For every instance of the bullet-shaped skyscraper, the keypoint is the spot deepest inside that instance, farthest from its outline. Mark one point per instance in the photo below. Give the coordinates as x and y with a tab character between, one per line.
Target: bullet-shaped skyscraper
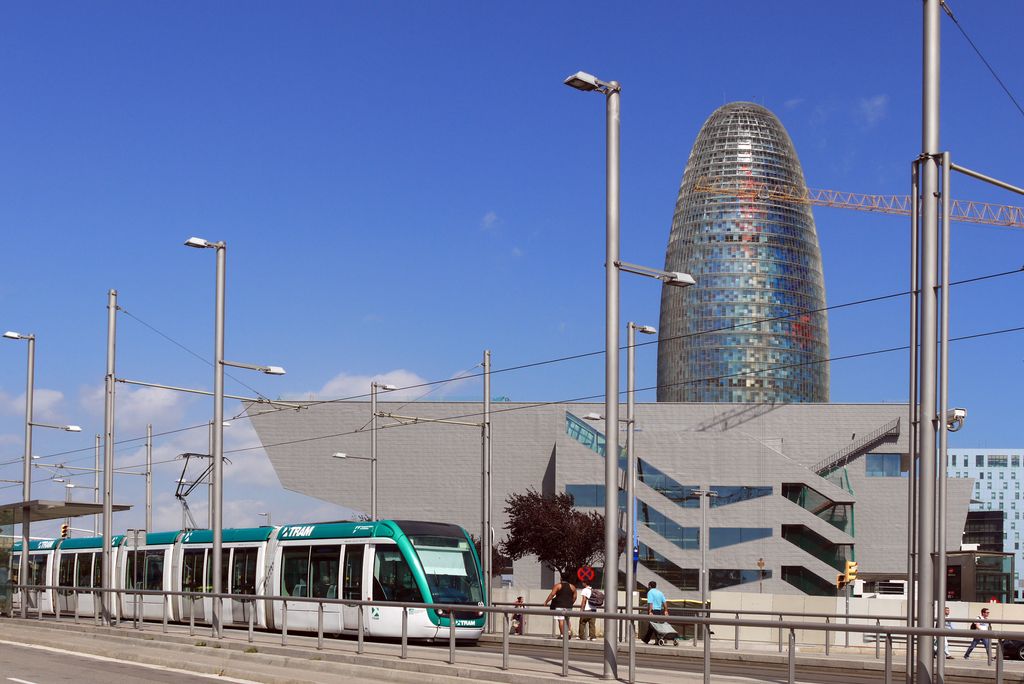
753	329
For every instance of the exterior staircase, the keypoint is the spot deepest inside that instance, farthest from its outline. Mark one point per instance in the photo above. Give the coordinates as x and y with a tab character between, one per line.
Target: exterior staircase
858	447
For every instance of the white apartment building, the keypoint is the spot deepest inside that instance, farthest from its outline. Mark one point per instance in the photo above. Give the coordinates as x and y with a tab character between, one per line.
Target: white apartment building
998	482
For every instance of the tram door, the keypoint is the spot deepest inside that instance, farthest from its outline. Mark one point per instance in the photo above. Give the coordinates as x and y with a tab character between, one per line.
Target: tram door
66	578
312	572
193	564
392	581
243	581
352	584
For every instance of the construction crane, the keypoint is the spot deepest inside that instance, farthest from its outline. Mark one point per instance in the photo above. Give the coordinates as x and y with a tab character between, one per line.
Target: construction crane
964	211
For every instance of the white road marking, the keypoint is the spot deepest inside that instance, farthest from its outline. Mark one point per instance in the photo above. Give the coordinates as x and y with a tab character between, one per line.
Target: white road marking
104	659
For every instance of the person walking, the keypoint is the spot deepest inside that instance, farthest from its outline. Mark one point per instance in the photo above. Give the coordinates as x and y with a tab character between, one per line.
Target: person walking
517	618
947	624
981	624
586	629
562	596
655	606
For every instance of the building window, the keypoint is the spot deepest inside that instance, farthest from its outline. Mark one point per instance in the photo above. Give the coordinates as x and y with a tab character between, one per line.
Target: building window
979	461
883	465
997	461
1015	461
727	536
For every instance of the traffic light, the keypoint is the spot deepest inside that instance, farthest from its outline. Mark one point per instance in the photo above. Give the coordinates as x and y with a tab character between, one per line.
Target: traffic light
840	580
64	531
851	571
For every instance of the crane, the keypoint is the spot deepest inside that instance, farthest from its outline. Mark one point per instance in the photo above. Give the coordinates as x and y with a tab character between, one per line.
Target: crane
965	211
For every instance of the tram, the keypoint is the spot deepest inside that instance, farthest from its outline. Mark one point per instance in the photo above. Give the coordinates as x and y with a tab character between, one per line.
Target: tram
389	560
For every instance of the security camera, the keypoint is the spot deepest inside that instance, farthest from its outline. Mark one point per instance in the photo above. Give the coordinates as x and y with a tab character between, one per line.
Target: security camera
955	418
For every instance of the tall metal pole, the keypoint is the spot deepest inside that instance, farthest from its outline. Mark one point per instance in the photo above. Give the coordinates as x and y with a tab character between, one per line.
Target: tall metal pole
209	482
630	467
149	478
912	405
486	543
940	555
108	457
611	393
218	437
96	487
929	283
373	450
26	488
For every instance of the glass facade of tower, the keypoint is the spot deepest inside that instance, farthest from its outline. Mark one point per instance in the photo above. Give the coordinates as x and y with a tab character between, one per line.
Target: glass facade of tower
752	329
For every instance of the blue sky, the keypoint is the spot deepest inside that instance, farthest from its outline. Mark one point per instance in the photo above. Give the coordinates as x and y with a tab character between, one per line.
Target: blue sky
402	185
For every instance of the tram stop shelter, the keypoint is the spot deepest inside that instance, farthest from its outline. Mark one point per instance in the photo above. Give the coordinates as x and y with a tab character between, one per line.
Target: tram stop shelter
39	510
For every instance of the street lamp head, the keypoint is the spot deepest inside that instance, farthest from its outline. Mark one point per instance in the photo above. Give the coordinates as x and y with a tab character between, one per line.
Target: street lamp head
69	485
198	243
581	80
339	454
273	370
647	329
72	428
593	416
678	279
384	386
11	335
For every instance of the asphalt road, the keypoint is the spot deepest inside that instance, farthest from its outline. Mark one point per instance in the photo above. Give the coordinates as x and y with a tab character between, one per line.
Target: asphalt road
26	665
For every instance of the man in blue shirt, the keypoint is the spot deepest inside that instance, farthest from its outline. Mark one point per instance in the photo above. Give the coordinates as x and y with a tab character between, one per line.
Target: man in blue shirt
655	606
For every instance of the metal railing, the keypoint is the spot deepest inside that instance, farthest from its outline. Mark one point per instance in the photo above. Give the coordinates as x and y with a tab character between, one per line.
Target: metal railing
786	628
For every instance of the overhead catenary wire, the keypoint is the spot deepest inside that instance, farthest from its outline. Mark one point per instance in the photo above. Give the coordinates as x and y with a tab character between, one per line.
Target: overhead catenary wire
949	12
561	359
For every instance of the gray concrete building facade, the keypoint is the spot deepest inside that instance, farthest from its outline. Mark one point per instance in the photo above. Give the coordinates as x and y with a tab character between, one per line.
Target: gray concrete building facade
803	487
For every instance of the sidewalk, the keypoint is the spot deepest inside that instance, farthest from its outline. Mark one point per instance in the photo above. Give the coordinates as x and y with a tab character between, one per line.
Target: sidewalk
266	661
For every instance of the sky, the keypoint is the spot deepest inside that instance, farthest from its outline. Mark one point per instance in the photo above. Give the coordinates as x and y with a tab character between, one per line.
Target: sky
404	185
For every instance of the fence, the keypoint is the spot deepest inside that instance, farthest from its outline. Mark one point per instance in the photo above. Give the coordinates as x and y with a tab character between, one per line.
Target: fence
625	624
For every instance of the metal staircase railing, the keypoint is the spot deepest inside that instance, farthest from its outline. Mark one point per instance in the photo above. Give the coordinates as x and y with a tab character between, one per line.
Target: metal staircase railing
855	449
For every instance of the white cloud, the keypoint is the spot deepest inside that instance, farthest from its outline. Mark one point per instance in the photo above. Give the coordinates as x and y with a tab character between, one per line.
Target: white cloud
345	385
793	103
873	109
135	407
45	404
489	223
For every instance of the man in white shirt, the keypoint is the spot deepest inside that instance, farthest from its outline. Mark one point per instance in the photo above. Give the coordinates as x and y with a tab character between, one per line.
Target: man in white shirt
586	628
981	624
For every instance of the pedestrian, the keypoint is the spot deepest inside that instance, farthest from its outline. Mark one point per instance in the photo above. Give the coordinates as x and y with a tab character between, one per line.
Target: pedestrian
947	624
586	629
562	596
655	606
517	618
981	624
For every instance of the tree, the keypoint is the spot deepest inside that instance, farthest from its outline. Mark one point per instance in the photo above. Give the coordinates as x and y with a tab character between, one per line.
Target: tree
550	527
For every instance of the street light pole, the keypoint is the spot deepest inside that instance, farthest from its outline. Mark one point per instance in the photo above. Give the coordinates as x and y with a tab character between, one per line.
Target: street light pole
705	495
631	526
26	487
218	437
485	485
96	487
108	456
149	478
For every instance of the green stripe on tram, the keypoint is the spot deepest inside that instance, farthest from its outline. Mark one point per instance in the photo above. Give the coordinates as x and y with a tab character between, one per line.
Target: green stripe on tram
345	530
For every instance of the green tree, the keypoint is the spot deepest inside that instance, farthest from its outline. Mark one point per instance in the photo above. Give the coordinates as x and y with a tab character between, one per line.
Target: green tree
551	528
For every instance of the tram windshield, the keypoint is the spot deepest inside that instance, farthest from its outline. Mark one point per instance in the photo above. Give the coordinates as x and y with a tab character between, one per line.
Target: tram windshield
451	569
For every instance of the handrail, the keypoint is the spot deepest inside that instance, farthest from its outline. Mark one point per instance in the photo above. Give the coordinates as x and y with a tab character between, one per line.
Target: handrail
842	456
782	625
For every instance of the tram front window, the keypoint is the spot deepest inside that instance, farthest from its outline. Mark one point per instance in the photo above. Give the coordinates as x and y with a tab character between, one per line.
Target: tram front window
451	569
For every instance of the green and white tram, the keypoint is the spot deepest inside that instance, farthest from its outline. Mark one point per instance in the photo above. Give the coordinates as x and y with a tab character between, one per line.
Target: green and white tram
408	561
411	561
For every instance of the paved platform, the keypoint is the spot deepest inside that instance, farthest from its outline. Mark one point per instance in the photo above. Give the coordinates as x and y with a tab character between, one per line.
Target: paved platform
532	659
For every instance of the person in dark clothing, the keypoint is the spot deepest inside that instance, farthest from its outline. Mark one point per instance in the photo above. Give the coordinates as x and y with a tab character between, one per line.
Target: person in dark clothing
563	595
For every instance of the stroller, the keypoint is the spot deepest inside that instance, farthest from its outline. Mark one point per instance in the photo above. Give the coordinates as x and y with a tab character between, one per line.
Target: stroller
661	632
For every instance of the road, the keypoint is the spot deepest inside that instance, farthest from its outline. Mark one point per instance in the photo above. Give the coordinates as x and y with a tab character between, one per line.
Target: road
21	664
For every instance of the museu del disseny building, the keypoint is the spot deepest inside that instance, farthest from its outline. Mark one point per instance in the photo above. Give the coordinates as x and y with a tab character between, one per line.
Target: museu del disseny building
803	485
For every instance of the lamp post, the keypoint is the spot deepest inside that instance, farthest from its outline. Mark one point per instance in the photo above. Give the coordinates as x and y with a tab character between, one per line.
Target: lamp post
374	386
611	90
704	495
26	486
267	515
631	528
218	417
373	479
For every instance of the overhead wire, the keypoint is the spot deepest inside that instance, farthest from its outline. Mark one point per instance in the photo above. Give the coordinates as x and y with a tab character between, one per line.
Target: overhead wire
949	12
561	359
